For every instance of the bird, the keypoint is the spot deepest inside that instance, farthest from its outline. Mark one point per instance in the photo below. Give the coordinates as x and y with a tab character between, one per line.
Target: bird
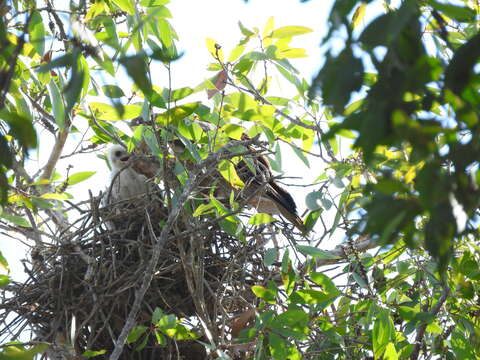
125	182
131	192
265	194
261	191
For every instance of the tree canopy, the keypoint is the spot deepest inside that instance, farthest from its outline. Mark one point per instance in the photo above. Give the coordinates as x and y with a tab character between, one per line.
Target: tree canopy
389	127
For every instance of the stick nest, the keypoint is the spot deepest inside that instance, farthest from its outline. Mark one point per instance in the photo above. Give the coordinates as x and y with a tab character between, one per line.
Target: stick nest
81	289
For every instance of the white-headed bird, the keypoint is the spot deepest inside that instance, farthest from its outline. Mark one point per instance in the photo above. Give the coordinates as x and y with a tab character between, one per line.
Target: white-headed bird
126	182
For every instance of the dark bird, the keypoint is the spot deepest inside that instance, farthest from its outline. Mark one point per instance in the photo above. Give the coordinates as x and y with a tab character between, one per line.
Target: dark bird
267	195
261	190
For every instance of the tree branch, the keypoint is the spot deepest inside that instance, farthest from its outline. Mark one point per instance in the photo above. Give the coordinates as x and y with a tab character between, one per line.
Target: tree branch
55	154
201	170
338	254
421	330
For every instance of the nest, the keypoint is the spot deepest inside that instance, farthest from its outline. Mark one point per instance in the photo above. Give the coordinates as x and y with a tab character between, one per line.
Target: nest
81	290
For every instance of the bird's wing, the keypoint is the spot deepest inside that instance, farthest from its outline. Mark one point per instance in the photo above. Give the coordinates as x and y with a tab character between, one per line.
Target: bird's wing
272	197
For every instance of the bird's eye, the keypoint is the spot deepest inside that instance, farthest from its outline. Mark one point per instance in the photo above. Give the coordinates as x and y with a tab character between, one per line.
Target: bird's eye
118	153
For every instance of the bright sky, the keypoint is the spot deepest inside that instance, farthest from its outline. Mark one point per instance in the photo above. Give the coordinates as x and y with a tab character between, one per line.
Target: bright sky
194	21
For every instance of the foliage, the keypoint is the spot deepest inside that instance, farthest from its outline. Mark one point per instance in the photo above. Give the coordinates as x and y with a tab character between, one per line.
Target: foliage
417	120
403	90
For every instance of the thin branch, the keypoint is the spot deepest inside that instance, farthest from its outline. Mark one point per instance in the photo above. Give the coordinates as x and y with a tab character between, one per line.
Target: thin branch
421	330
339	254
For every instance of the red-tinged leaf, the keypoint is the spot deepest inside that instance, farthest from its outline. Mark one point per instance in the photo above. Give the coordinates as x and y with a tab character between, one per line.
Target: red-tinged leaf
219	81
47	56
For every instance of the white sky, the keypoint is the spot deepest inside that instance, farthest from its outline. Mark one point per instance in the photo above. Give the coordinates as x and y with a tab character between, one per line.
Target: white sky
194	21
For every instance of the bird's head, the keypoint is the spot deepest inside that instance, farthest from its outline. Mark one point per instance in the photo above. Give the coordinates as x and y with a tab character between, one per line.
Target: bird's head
118	157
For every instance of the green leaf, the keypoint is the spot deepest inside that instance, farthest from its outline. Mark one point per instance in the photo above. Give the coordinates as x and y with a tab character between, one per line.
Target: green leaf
260	219
17	220
360	280
37	33
462	346
161	339
18	352
79	177
166	55
113	91
336	84
268	295
290	31
311	297
3	263
85	70
291	53
135	334
312	219
390	352
204	209
325	282
142	344
4	281
236	53
242	102
175	114
153	3
164	32
383	332
300	154
377	32
42	203
278	347
55	196
56	99
94	10
214	49
21	128
228	172
461	68
137	69
179	94
167	321
59	62
78	82
109	113
92	353
157	100
233	131
180	332
312	200
327	204
270	256
358	15
458	13
316	252
157	315
126	5
244	30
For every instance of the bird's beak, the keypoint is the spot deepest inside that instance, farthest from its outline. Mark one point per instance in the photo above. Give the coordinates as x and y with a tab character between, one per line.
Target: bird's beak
125	158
